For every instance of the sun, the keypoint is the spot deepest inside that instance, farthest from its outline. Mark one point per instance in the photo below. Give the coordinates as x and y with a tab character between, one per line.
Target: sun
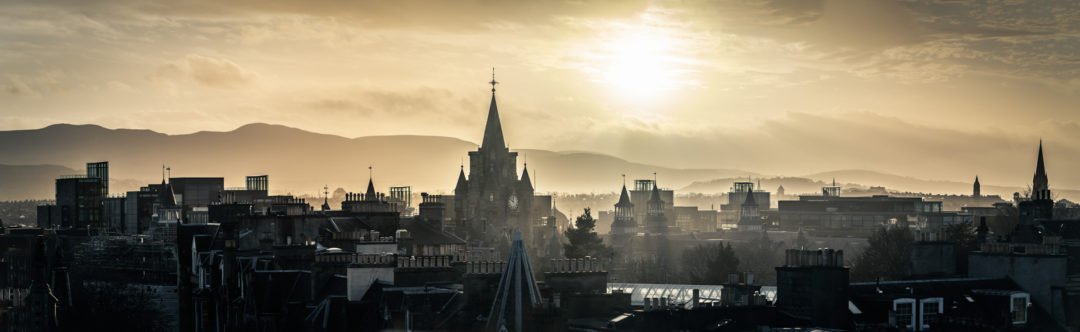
640	64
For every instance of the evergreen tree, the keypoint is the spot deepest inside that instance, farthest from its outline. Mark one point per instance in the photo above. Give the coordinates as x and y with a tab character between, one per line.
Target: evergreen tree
887	256
583	239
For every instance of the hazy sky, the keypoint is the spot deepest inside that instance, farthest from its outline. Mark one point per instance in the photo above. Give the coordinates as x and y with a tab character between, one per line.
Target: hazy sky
935	89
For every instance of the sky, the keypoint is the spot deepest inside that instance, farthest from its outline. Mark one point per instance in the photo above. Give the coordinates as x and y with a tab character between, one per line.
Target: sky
932	89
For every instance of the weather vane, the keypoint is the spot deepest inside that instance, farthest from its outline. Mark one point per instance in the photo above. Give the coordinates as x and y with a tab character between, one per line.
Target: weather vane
493	81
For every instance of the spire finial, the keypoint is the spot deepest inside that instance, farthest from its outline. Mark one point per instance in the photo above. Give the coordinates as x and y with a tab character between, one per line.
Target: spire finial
624	179
493	81
369	169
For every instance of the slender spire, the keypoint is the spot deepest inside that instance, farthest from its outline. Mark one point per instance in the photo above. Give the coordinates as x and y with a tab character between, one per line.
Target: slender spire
1040	181
493	135
624	197
370	195
525	182
462	183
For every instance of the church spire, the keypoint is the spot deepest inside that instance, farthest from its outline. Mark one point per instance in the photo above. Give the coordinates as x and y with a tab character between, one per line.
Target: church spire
370	195
493	135
1040	180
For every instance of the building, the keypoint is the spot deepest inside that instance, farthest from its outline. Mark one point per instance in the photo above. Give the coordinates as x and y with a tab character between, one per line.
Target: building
656	221
812	285
493	201
80	199
730	213
642	194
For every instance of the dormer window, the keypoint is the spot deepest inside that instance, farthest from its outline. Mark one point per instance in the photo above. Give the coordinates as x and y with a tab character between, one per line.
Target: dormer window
932	308
904	310
1019	303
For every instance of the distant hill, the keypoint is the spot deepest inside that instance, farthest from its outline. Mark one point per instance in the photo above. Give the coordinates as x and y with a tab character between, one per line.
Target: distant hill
864	178
297	161
25	181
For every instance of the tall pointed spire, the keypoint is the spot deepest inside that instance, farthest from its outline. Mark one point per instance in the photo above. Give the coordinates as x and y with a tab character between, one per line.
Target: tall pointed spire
1040	181
526	183
493	135
370	195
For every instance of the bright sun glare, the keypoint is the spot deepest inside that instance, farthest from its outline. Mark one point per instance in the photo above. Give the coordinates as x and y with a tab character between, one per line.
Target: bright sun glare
639	64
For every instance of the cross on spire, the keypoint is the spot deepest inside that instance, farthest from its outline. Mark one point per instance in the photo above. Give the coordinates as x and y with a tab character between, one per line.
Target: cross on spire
493	81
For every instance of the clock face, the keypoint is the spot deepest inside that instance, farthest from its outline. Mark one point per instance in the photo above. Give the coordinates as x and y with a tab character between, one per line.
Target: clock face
512	202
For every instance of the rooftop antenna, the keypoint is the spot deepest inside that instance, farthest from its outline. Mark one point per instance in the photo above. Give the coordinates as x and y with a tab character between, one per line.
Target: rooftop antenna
493	81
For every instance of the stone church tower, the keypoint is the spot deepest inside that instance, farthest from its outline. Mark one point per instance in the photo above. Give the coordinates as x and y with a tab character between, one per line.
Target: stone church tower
492	201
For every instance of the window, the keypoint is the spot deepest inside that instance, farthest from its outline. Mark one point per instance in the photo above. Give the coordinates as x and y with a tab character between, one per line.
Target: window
1019	308
903	310
931	310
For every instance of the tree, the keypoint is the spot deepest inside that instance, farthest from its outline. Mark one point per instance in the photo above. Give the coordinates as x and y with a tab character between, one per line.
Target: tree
649	270
709	264
761	257
887	256
583	239
963	233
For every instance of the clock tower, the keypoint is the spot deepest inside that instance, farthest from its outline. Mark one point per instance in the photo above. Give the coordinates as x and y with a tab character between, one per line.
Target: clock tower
492	201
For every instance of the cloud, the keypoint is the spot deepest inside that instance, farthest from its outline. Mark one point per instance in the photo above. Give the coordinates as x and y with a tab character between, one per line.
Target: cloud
207	71
35	85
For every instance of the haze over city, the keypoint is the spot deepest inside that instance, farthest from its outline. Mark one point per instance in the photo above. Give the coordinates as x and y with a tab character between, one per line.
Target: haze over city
555	165
776	88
